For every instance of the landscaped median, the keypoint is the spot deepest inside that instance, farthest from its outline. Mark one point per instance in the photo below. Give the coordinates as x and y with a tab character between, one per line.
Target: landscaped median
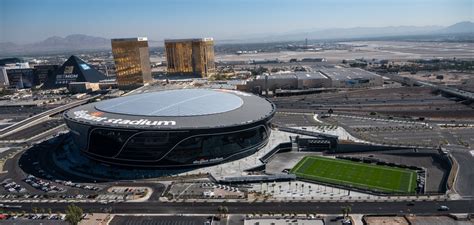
378	178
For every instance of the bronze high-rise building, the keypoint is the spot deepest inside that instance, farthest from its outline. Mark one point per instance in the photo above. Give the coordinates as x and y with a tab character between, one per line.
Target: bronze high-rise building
190	56
132	62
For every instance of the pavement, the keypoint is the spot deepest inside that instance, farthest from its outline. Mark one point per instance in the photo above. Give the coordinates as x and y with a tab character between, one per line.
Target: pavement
159	220
464	182
382	207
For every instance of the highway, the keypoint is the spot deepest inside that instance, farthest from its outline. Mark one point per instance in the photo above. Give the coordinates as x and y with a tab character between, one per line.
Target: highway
24	124
428	207
448	90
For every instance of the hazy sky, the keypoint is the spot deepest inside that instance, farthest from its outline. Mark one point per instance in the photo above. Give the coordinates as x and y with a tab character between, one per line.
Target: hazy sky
25	21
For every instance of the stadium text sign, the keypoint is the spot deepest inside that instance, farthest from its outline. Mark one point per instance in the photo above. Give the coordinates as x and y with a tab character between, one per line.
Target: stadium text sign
96	117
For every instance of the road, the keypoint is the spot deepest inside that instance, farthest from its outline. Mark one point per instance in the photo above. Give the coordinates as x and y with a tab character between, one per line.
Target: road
24	124
464	185
459	206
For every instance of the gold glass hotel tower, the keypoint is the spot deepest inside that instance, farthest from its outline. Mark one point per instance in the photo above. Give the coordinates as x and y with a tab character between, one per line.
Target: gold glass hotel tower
132	62
190	56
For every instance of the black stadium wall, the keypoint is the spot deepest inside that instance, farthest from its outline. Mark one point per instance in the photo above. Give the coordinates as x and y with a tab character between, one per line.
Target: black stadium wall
191	127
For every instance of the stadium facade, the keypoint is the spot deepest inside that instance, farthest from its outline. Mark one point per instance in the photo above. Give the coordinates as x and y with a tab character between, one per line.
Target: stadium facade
172	128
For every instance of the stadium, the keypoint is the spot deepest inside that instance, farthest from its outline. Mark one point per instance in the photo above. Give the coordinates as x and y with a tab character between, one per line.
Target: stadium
172	128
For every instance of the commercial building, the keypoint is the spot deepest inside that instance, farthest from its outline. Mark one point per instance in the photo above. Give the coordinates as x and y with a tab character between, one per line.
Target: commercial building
3	77
14	63
22	78
83	87
190	56
352	77
320	78
288	81
172	128
45	71
73	70
132	62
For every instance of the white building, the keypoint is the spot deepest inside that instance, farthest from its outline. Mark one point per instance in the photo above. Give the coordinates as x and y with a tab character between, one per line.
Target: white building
3	77
352	77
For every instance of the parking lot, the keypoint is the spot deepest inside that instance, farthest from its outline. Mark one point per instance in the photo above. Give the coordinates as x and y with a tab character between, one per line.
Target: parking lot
389	131
289	119
33	218
160	220
397	102
463	135
204	190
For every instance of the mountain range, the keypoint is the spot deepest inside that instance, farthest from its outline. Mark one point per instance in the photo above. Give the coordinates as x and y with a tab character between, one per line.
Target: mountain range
80	42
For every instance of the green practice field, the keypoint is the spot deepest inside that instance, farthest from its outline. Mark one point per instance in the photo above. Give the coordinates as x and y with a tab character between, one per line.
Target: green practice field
356	174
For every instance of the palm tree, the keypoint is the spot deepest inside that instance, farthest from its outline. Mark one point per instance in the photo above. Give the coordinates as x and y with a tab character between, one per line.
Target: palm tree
346	210
225	211
220	209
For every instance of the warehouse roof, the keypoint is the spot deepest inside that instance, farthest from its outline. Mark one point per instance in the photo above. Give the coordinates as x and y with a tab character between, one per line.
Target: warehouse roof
347	73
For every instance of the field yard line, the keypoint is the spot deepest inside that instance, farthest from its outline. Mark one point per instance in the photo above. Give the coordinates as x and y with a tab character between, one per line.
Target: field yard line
361	163
349	182
409	184
301	163
303	174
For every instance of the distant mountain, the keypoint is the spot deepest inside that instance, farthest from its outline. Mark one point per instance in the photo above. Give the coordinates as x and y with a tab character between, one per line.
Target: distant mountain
72	42
356	32
80	42
462	27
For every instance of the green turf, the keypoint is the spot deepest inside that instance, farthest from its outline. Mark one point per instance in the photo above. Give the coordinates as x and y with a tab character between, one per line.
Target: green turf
356	174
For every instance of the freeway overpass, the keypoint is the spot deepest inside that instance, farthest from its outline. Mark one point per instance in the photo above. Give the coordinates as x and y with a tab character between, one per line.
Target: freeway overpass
444	89
449	90
41	117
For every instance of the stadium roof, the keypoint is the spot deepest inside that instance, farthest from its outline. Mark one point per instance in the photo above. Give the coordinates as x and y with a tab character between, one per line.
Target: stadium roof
74	70
187	102
175	110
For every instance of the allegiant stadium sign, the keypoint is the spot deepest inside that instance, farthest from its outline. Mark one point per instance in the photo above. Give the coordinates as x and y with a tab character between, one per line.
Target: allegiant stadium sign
97	117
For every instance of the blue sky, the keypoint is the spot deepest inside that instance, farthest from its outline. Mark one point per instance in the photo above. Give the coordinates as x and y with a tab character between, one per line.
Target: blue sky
24	21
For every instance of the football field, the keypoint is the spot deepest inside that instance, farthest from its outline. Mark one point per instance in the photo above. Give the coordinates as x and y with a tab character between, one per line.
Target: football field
356	174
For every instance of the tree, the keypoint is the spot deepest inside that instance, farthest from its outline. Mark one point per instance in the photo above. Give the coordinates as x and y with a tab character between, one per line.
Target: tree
73	214
345	211
225	211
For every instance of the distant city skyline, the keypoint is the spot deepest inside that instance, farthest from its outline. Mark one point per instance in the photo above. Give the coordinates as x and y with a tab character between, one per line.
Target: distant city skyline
26	21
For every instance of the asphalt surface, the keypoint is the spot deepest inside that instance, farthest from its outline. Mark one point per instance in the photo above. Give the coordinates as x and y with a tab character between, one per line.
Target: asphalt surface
162	220
464	184
459	206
